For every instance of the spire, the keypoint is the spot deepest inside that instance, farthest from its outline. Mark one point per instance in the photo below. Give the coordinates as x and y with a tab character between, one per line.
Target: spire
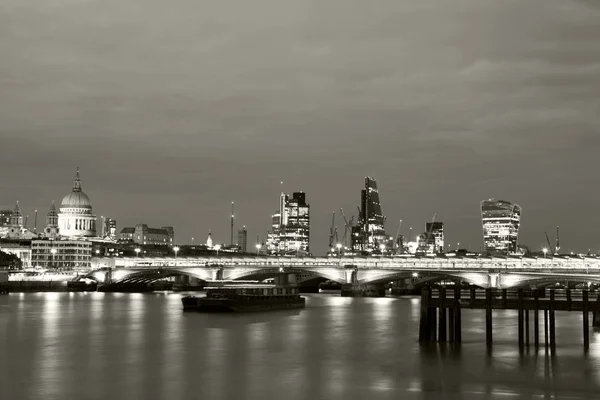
52	210
17	210
77	182
209	241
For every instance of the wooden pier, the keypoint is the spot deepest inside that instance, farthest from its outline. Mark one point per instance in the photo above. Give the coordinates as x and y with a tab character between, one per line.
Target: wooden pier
441	312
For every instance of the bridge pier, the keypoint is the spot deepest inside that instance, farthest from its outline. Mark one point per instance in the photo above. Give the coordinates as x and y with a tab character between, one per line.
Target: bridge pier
362	290
108	277
403	287
286	279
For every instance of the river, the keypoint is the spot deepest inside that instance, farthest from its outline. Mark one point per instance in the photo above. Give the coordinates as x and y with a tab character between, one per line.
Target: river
142	346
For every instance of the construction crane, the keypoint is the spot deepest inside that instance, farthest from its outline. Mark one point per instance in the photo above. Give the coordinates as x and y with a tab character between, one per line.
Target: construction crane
425	246
347	229
397	235
332	232
549	245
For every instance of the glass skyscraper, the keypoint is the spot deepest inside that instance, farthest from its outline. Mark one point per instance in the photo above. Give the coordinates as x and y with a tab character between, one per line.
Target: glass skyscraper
369	234
290	233
500	221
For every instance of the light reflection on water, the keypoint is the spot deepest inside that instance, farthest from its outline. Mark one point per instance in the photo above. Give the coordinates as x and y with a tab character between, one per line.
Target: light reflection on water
142	346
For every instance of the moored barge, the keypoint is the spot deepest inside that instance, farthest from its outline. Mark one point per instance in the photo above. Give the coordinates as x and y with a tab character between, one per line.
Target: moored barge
245	299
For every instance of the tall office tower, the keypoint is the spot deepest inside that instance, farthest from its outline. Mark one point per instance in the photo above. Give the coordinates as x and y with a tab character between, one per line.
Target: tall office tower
290	226
500	221
369	234
243	239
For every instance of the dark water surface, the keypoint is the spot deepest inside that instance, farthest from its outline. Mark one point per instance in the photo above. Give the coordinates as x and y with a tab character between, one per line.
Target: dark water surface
142	346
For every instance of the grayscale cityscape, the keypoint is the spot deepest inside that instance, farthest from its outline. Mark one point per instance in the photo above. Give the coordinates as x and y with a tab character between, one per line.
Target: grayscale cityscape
317	200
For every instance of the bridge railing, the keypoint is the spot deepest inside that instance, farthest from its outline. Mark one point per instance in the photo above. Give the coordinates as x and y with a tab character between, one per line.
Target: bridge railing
393	263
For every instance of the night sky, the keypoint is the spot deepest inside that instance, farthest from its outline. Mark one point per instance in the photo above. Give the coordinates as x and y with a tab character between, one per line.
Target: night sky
173	109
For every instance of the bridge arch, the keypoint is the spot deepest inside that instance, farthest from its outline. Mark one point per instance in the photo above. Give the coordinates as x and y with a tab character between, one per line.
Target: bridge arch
480	279
153	275
271	272
545	281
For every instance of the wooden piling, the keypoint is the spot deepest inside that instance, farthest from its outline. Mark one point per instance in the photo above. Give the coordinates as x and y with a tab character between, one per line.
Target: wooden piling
586	321
503	298
569	299
520	316
472	297
457	315
546	329
527	327
432	324
424	322
552	323
596	314
442	316
451	328
536	322
488	317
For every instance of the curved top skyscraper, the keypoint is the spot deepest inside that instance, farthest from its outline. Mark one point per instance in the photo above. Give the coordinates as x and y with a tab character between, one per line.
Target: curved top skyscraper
500	220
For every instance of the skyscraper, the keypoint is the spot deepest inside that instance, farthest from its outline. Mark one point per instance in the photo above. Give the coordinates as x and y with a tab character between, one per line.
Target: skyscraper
290	230
500	220
369	234
243	239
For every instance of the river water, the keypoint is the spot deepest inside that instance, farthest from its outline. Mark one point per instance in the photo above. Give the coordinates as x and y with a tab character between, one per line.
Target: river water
142	346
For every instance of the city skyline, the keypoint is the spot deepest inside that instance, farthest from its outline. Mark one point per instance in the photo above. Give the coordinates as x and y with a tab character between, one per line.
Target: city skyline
413	230
442	106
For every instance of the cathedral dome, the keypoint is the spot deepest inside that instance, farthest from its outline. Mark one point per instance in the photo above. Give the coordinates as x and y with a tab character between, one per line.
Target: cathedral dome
76	200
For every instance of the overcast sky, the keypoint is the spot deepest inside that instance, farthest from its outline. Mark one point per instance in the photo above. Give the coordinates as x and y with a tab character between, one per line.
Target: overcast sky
173	109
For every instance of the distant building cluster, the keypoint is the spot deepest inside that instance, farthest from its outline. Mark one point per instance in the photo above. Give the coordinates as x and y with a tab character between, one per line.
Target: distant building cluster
69	238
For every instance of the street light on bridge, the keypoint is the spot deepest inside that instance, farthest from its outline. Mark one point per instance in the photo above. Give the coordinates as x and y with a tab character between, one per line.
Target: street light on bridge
137	251
339	249
545	250
217	247
258	246
382	248
176	249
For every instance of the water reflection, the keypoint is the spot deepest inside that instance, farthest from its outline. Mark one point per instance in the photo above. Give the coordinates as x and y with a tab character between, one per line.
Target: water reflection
142	346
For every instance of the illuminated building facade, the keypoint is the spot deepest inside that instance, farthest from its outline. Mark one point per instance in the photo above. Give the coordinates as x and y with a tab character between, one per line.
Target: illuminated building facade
290	232
500	221
142	234
61	255
369	234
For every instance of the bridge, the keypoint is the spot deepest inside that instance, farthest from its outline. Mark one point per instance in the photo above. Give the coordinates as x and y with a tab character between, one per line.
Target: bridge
484	272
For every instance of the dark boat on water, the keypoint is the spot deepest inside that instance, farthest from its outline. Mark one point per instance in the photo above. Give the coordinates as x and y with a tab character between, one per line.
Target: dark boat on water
245	299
